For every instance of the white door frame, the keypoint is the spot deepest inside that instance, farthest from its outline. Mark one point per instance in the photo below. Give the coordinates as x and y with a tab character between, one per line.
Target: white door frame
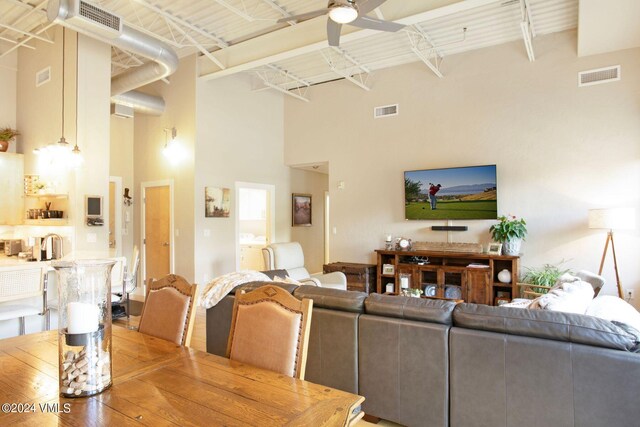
117	180
327	224
143	246
271	215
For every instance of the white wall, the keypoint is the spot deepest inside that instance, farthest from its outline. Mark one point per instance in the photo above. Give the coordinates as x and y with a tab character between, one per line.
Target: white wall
151	165
560	150
8	90
239	139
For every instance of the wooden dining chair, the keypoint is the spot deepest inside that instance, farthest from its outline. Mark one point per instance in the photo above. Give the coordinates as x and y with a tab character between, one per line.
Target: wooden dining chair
169	309
270	330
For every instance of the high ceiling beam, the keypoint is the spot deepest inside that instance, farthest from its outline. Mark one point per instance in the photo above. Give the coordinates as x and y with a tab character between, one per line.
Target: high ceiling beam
310	36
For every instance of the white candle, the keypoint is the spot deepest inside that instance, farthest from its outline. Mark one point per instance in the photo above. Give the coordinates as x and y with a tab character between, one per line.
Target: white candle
388	238
83	318
404	282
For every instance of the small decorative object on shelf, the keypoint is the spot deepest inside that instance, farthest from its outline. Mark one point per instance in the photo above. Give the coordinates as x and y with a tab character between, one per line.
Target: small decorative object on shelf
504	276
405	281
388	242
84	325
388	269
403	244
411	292
510	232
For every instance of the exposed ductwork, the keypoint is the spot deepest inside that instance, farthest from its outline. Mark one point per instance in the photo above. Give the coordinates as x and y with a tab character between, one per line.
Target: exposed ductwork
91	20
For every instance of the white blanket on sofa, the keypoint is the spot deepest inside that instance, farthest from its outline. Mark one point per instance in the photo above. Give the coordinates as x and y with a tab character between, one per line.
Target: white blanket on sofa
219	287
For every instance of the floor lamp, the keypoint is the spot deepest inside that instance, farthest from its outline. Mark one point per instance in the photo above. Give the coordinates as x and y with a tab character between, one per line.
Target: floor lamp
610	219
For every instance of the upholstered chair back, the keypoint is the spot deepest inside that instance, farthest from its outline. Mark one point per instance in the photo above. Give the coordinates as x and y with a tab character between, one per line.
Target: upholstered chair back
270	330
286	256
169	311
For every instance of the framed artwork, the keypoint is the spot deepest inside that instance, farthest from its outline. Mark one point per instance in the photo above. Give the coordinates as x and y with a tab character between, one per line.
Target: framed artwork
217	202
494	249
300	210
388	269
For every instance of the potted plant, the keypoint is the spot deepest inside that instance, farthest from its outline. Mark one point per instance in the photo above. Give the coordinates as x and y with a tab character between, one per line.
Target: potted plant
509	231
6	135
538	281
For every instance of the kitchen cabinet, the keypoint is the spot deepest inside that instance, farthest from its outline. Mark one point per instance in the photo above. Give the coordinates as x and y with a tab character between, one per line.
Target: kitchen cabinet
11	183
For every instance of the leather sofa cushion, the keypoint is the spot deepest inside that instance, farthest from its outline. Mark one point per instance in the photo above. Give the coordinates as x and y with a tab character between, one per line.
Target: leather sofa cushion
420	309
553	325
251	286
336	299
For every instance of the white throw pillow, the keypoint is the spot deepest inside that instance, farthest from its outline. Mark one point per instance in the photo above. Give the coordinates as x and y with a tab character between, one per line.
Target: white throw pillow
612	308
569	295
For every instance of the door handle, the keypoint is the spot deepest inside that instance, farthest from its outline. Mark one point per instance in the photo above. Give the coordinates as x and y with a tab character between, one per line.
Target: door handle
165	243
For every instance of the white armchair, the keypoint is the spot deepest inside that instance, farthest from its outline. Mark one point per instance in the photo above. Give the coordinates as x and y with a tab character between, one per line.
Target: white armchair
289	256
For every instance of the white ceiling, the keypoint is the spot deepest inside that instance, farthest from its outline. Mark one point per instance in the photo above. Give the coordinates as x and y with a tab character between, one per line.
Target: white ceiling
243	36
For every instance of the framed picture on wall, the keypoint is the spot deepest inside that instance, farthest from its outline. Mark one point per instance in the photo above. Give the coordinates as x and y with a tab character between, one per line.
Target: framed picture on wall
217	202
300	210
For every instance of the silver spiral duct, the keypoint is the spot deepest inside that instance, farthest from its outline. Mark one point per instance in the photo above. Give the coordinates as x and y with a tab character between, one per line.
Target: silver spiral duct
106	27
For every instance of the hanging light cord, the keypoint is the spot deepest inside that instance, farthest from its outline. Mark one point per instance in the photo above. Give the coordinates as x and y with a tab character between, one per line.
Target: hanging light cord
76	150
62	140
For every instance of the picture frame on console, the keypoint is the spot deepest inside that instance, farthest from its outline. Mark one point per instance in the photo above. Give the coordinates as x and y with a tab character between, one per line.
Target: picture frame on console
301	210
494	249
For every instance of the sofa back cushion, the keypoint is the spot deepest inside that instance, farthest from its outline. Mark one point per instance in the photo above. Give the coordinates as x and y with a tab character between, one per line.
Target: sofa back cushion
334	299
420	309
552	325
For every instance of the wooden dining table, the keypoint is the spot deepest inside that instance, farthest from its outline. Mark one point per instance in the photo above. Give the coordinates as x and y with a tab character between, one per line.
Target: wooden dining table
158	383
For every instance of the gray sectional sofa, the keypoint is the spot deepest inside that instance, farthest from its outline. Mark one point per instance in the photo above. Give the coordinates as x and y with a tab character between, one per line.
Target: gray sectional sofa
423	362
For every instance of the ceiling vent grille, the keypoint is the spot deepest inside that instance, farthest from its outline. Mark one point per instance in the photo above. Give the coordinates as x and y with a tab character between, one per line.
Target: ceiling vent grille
99	16
385	111
43	76
598	76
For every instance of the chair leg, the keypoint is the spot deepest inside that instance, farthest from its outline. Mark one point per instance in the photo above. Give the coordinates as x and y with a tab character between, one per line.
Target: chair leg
22	326
47	320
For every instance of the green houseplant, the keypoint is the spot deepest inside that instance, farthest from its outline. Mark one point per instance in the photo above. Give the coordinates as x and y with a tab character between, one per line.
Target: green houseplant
509	231
543	278
6	135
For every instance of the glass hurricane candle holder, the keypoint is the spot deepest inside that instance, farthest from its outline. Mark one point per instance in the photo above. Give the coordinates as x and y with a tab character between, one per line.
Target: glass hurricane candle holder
84	326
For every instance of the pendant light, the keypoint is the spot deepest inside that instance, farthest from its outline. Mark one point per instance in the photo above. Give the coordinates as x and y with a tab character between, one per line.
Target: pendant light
76	155
63	142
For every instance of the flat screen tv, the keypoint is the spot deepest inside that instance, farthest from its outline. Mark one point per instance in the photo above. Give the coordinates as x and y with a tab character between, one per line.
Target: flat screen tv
453	193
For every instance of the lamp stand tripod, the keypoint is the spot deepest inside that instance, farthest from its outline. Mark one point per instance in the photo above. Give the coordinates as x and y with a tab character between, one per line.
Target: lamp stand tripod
615	261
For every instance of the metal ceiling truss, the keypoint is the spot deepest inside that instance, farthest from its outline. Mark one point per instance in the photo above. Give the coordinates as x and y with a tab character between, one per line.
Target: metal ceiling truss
346	66
423	47
28	35
283	81
528	32
280	10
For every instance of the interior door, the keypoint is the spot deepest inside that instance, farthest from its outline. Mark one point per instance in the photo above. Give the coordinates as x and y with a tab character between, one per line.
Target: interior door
157	231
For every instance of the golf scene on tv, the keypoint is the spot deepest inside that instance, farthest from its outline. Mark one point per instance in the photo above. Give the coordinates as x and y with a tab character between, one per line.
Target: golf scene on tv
454	193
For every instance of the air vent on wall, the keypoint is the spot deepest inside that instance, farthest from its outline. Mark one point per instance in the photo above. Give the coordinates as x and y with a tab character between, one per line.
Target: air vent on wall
43	76
385	111
600	75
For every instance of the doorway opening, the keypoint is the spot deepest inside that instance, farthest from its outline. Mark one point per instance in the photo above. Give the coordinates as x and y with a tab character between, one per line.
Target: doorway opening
255	223
157	229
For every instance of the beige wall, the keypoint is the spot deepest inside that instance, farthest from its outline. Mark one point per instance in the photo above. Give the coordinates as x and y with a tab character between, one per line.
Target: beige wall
239	139
39	118
121	164
8	90
151	165
311	238
560	150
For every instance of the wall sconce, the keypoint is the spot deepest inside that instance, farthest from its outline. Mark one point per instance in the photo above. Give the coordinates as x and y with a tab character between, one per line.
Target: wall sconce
172	149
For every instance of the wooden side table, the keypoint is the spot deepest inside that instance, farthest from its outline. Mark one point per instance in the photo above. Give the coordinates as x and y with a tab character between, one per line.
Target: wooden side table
360	277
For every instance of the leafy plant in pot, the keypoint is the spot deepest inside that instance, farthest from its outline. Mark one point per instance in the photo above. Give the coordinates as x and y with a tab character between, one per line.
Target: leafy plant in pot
509	231
6	135
545	277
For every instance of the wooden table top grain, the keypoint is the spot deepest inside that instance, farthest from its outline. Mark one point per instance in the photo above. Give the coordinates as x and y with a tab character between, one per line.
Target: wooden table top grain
158	383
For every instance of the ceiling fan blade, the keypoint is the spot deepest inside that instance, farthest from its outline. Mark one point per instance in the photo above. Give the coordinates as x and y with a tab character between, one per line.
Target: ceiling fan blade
368	5
376	24
333	32
304	16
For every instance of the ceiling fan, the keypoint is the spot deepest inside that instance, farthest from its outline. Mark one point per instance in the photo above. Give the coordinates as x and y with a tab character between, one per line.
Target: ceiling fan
352	12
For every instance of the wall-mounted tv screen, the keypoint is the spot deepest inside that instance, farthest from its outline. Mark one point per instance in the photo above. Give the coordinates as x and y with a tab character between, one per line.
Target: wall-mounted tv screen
453	193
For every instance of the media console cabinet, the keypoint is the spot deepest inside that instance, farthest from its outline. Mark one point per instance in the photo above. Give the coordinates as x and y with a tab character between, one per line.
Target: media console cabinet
471	277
